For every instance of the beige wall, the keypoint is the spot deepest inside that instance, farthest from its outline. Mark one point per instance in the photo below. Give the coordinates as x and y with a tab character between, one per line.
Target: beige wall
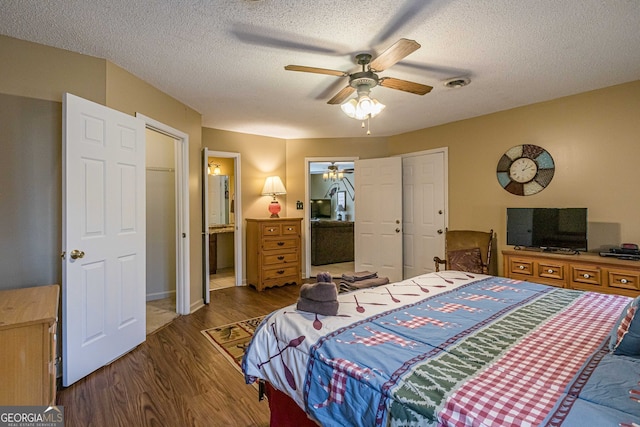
593	138
260	156
41	72
30	192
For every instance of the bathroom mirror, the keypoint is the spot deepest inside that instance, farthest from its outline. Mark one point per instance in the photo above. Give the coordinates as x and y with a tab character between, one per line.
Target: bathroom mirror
219	201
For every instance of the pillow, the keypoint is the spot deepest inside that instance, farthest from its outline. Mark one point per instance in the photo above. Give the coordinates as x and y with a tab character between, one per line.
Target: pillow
468	260
625	335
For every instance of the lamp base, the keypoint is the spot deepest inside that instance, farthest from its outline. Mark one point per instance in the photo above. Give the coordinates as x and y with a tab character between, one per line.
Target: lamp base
275	208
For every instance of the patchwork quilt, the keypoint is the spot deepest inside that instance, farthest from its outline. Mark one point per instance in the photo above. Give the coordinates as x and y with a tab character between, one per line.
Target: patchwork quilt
453	349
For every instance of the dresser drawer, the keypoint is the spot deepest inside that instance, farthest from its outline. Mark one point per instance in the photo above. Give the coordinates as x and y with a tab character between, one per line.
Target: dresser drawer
281	258
280	272
273	244
518	266
551	270
290	228
272	230
624	279
586	274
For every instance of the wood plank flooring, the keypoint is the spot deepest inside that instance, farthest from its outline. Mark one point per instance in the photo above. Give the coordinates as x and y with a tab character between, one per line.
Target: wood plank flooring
176	377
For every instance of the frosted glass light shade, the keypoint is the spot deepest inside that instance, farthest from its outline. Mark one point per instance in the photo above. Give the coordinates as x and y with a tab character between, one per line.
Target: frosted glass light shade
362	108
273	186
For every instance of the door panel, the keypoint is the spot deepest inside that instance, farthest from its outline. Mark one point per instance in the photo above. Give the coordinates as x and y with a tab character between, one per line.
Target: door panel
378	225
424	211
104	220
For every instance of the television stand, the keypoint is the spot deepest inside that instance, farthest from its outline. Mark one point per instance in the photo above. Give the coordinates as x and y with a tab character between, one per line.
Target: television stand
547	250
589	272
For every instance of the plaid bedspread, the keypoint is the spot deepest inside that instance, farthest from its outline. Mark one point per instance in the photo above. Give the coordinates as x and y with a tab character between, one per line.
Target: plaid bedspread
452	349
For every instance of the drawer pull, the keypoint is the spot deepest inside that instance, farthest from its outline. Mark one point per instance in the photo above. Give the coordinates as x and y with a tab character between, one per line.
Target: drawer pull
550	271
280	243
271	230
624	281
280	272
281	257
586	275
521	267
289	228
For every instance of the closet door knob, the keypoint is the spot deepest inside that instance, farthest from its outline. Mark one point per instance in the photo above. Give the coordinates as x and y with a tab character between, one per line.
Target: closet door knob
75	254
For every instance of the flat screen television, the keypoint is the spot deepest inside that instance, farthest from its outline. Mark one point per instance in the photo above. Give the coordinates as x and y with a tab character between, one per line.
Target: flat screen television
320	208
548	228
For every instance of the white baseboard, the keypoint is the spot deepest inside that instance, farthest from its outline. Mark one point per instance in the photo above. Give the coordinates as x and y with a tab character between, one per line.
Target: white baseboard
161	295
196	306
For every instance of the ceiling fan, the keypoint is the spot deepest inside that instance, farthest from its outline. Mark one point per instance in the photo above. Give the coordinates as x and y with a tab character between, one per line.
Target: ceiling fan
363	81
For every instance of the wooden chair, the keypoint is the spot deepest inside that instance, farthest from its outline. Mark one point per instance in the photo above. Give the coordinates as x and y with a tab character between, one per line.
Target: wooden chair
466	250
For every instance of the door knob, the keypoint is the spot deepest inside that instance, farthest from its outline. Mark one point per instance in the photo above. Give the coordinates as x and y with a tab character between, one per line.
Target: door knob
75	254
397	230
439	231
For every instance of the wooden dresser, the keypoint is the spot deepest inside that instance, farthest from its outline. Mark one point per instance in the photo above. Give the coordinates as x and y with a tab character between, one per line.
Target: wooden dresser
273	252
28	321
588	272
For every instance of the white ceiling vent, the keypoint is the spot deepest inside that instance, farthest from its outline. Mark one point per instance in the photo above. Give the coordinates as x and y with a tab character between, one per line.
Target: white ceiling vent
457	83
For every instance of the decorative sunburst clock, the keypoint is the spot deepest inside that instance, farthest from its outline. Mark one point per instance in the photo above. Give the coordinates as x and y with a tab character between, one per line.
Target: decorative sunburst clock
525	169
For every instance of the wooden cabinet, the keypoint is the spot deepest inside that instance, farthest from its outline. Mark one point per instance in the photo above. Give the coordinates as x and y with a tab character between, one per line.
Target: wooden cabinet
273	252
28	322
585	271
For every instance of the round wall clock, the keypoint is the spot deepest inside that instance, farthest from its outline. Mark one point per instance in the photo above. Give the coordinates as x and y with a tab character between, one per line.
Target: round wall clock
525	170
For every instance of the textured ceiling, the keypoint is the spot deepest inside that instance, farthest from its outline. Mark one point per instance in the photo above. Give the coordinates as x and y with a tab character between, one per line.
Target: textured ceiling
225	58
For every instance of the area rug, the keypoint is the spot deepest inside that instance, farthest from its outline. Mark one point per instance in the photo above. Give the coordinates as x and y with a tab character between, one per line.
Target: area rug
232	340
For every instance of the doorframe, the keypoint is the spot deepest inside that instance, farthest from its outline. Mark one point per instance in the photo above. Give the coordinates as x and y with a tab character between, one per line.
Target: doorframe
182	209
307	209
237	207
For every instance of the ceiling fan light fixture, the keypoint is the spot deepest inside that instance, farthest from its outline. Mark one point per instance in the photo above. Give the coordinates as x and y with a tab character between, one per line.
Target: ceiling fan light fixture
365	104
362	108
349	107
377	108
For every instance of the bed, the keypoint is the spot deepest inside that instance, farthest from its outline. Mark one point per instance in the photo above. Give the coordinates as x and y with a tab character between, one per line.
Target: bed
457	349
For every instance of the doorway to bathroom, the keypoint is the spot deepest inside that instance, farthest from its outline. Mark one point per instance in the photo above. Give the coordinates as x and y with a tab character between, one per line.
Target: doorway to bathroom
222	221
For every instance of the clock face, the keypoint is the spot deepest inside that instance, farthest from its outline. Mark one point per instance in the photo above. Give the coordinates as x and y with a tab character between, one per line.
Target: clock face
525	170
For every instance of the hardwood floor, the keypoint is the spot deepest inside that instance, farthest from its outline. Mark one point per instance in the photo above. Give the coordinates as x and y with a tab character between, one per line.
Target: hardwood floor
176	377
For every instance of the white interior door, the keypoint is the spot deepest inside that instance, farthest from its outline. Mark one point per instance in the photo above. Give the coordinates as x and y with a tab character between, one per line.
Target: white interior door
423	184
378	217
103	233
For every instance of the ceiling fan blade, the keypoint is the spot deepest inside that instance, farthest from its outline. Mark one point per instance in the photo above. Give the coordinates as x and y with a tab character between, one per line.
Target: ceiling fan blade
304	69
402	18
396	52
263	36
342	95
407	86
